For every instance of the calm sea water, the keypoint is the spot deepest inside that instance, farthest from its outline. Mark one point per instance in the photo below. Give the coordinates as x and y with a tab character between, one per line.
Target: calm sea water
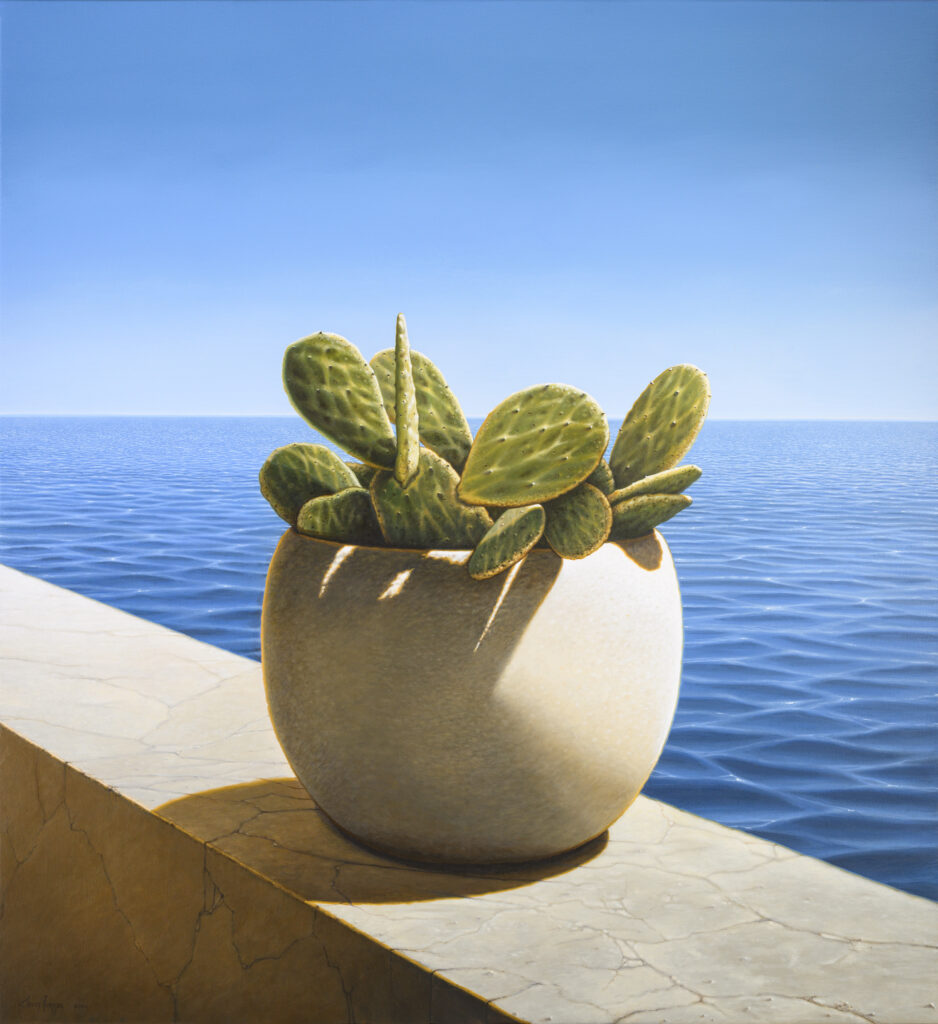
808	567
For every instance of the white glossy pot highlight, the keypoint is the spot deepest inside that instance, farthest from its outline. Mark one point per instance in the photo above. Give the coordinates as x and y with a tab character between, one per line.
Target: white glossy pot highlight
442	718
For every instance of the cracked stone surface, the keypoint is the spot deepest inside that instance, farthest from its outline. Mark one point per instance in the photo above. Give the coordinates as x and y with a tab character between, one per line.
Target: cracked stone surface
152	835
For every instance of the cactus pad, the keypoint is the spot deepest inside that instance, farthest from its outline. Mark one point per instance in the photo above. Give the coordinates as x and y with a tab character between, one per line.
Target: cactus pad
427	513
405	409
507	541
443	427
635	517
602	478
534	446
578	522
347	517
668	481
661	425
364	474
335	390
297	472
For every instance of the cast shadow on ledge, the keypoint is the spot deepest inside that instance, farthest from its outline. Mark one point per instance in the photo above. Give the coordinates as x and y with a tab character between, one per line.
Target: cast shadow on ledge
273	827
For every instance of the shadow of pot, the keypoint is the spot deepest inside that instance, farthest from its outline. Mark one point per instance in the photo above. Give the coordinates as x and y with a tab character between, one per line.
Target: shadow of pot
440	718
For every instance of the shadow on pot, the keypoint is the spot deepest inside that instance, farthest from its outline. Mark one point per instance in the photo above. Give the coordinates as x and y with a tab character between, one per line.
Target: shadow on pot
274	828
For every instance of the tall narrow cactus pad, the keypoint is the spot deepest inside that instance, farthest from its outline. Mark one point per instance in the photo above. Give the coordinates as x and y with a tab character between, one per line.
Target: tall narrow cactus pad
661	425
511	537
405	409
427	512
534	446
635	517
347	517
297	472
443	427
335	390
668	481
578	522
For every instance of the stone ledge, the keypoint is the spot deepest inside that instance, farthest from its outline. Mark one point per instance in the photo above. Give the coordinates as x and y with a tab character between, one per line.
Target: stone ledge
159	863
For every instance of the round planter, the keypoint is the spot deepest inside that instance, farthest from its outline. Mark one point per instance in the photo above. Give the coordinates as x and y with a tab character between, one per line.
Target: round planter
446	719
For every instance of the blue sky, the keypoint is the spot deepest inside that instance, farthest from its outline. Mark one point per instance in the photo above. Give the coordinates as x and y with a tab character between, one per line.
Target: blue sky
571	192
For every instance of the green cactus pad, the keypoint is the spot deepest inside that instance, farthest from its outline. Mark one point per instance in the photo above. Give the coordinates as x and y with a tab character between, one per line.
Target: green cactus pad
578	522
405	409
364	474
443	427
668	481
335	390
427	513
347	517
508	540
602	478
534	446
297	472
662	424
635	517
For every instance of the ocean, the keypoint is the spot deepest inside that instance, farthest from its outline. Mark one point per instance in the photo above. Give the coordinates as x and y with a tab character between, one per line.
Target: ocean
809	574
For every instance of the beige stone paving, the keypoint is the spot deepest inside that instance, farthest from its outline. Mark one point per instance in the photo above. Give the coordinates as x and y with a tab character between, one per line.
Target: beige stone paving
670	918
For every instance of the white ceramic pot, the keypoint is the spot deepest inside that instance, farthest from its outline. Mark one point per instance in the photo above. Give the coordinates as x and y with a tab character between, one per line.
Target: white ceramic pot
441	718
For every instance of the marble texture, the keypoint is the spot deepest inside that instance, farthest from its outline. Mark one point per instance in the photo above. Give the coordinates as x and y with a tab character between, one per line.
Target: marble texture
159	863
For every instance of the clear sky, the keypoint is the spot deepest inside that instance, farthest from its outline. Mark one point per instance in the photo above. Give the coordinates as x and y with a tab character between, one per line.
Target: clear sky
574	192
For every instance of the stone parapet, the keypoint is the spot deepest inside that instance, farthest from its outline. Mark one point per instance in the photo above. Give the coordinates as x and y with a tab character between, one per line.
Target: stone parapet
160	863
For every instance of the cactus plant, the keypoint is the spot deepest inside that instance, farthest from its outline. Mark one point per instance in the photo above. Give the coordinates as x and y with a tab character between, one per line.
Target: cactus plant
442	424
507	541
534	446
535	474
347	516
297	472
578	522
661	425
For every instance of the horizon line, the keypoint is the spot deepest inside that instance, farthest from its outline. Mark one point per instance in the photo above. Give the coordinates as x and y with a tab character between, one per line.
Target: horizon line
285	416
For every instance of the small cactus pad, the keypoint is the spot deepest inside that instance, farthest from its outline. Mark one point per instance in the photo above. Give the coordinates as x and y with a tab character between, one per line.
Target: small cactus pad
668	481
405	409
443	427
347	517
427	513
364	474
535	445
335	390
578	522
661	425
635	517
297	472
602	478
508	540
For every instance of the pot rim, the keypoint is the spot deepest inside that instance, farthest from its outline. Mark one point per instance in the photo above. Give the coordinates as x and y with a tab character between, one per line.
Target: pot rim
457	551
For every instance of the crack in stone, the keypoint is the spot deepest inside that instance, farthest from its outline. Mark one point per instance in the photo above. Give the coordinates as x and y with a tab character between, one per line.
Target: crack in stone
133	935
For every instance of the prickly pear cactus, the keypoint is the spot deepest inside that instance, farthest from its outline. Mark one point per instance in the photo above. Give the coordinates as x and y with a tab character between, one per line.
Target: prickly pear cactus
297	472
668	481
335	390
443	427
602	478
427	512
534	476
535	445
364	474
662	424
578	522
507	541
635	517
347	517
405	409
